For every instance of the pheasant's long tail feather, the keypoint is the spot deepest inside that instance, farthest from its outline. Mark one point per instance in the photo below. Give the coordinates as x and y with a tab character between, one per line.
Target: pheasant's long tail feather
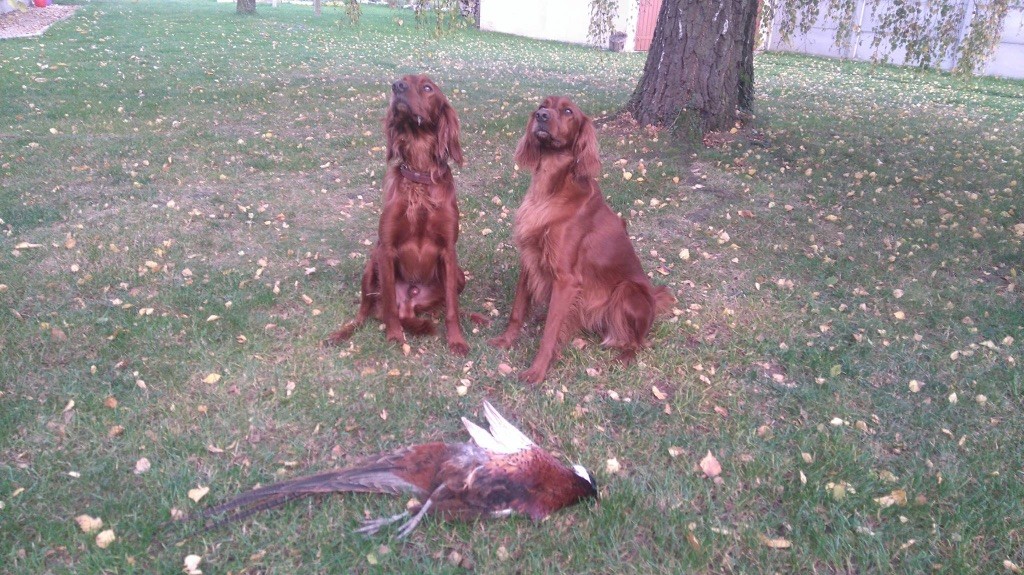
378	477
241	511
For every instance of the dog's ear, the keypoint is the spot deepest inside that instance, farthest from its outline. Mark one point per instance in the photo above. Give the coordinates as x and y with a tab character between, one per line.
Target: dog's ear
586	151
448	147
390	135
528	150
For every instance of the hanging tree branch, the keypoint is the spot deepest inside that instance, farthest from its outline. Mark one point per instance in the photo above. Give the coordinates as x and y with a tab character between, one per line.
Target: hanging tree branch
928	32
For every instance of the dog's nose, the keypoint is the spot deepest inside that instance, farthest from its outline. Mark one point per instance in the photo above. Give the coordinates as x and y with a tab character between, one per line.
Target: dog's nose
543	115
399	86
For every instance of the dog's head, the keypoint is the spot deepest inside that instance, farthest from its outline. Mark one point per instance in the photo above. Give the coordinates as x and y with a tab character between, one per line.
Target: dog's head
559	126
420	112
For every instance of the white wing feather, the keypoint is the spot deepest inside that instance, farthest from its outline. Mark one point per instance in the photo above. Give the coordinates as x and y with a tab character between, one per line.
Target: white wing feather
482	437
503	436
505	432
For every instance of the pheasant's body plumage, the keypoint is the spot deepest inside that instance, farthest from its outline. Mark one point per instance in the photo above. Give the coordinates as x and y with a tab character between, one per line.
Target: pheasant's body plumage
500	473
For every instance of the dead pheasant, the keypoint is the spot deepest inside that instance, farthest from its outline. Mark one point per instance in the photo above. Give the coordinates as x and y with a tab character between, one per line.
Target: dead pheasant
499	473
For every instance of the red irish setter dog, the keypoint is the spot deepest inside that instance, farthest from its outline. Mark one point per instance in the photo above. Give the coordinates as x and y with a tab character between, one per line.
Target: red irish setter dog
574	252
413	267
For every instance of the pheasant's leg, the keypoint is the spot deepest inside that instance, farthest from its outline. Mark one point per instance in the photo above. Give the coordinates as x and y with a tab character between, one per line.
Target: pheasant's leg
372	526
412	523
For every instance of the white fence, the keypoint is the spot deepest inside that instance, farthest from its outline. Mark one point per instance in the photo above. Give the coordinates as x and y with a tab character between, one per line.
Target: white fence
1007	61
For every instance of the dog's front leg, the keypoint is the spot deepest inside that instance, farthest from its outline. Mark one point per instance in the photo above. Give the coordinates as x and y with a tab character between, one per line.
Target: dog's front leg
388	301
564	292
520	307
456	341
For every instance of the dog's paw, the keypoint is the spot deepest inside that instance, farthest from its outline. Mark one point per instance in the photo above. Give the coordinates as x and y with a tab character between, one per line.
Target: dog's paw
502	341
626	356
341	335
480	319
396	336
533	375
458	347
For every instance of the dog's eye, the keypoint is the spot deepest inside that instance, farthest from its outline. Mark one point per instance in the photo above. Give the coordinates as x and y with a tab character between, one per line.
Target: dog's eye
428	88
567	111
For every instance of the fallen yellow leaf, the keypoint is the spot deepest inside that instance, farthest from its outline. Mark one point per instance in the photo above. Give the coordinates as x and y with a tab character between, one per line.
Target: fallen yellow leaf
503	554
192	565
692	540
775	543
612	466
886	475
105	538
88	524
710	465
198	493
897	497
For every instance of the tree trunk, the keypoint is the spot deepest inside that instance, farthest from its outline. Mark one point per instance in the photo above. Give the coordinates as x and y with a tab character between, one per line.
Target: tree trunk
317	7
245	6
700	67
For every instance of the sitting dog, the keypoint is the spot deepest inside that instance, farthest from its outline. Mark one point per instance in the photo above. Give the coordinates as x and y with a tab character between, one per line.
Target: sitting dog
413	267
574	252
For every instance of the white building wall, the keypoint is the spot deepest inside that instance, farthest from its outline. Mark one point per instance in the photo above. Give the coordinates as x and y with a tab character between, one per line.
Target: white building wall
559	20
1009	57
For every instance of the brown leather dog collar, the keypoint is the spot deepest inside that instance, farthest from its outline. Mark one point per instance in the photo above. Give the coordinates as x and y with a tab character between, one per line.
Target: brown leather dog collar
414	176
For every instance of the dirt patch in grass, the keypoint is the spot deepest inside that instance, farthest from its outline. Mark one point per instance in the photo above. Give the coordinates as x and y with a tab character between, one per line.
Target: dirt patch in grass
32	22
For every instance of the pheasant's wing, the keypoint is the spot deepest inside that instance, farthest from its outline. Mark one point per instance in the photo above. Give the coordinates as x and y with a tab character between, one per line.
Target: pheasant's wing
503	437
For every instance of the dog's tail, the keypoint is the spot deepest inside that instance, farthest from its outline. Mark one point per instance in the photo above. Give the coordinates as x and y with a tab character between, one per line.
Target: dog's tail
343	333
629	314
663	300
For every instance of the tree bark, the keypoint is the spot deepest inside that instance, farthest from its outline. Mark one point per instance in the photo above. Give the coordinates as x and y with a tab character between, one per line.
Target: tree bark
245	6
700	67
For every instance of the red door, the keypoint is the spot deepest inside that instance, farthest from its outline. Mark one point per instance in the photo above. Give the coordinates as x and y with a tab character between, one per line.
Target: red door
646	22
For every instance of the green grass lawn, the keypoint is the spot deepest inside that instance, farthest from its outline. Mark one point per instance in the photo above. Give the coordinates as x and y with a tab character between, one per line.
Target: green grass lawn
187	193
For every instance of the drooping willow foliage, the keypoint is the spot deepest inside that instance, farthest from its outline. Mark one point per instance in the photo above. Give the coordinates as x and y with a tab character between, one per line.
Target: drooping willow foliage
602	21
447	15
353	11
927	31
981	40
